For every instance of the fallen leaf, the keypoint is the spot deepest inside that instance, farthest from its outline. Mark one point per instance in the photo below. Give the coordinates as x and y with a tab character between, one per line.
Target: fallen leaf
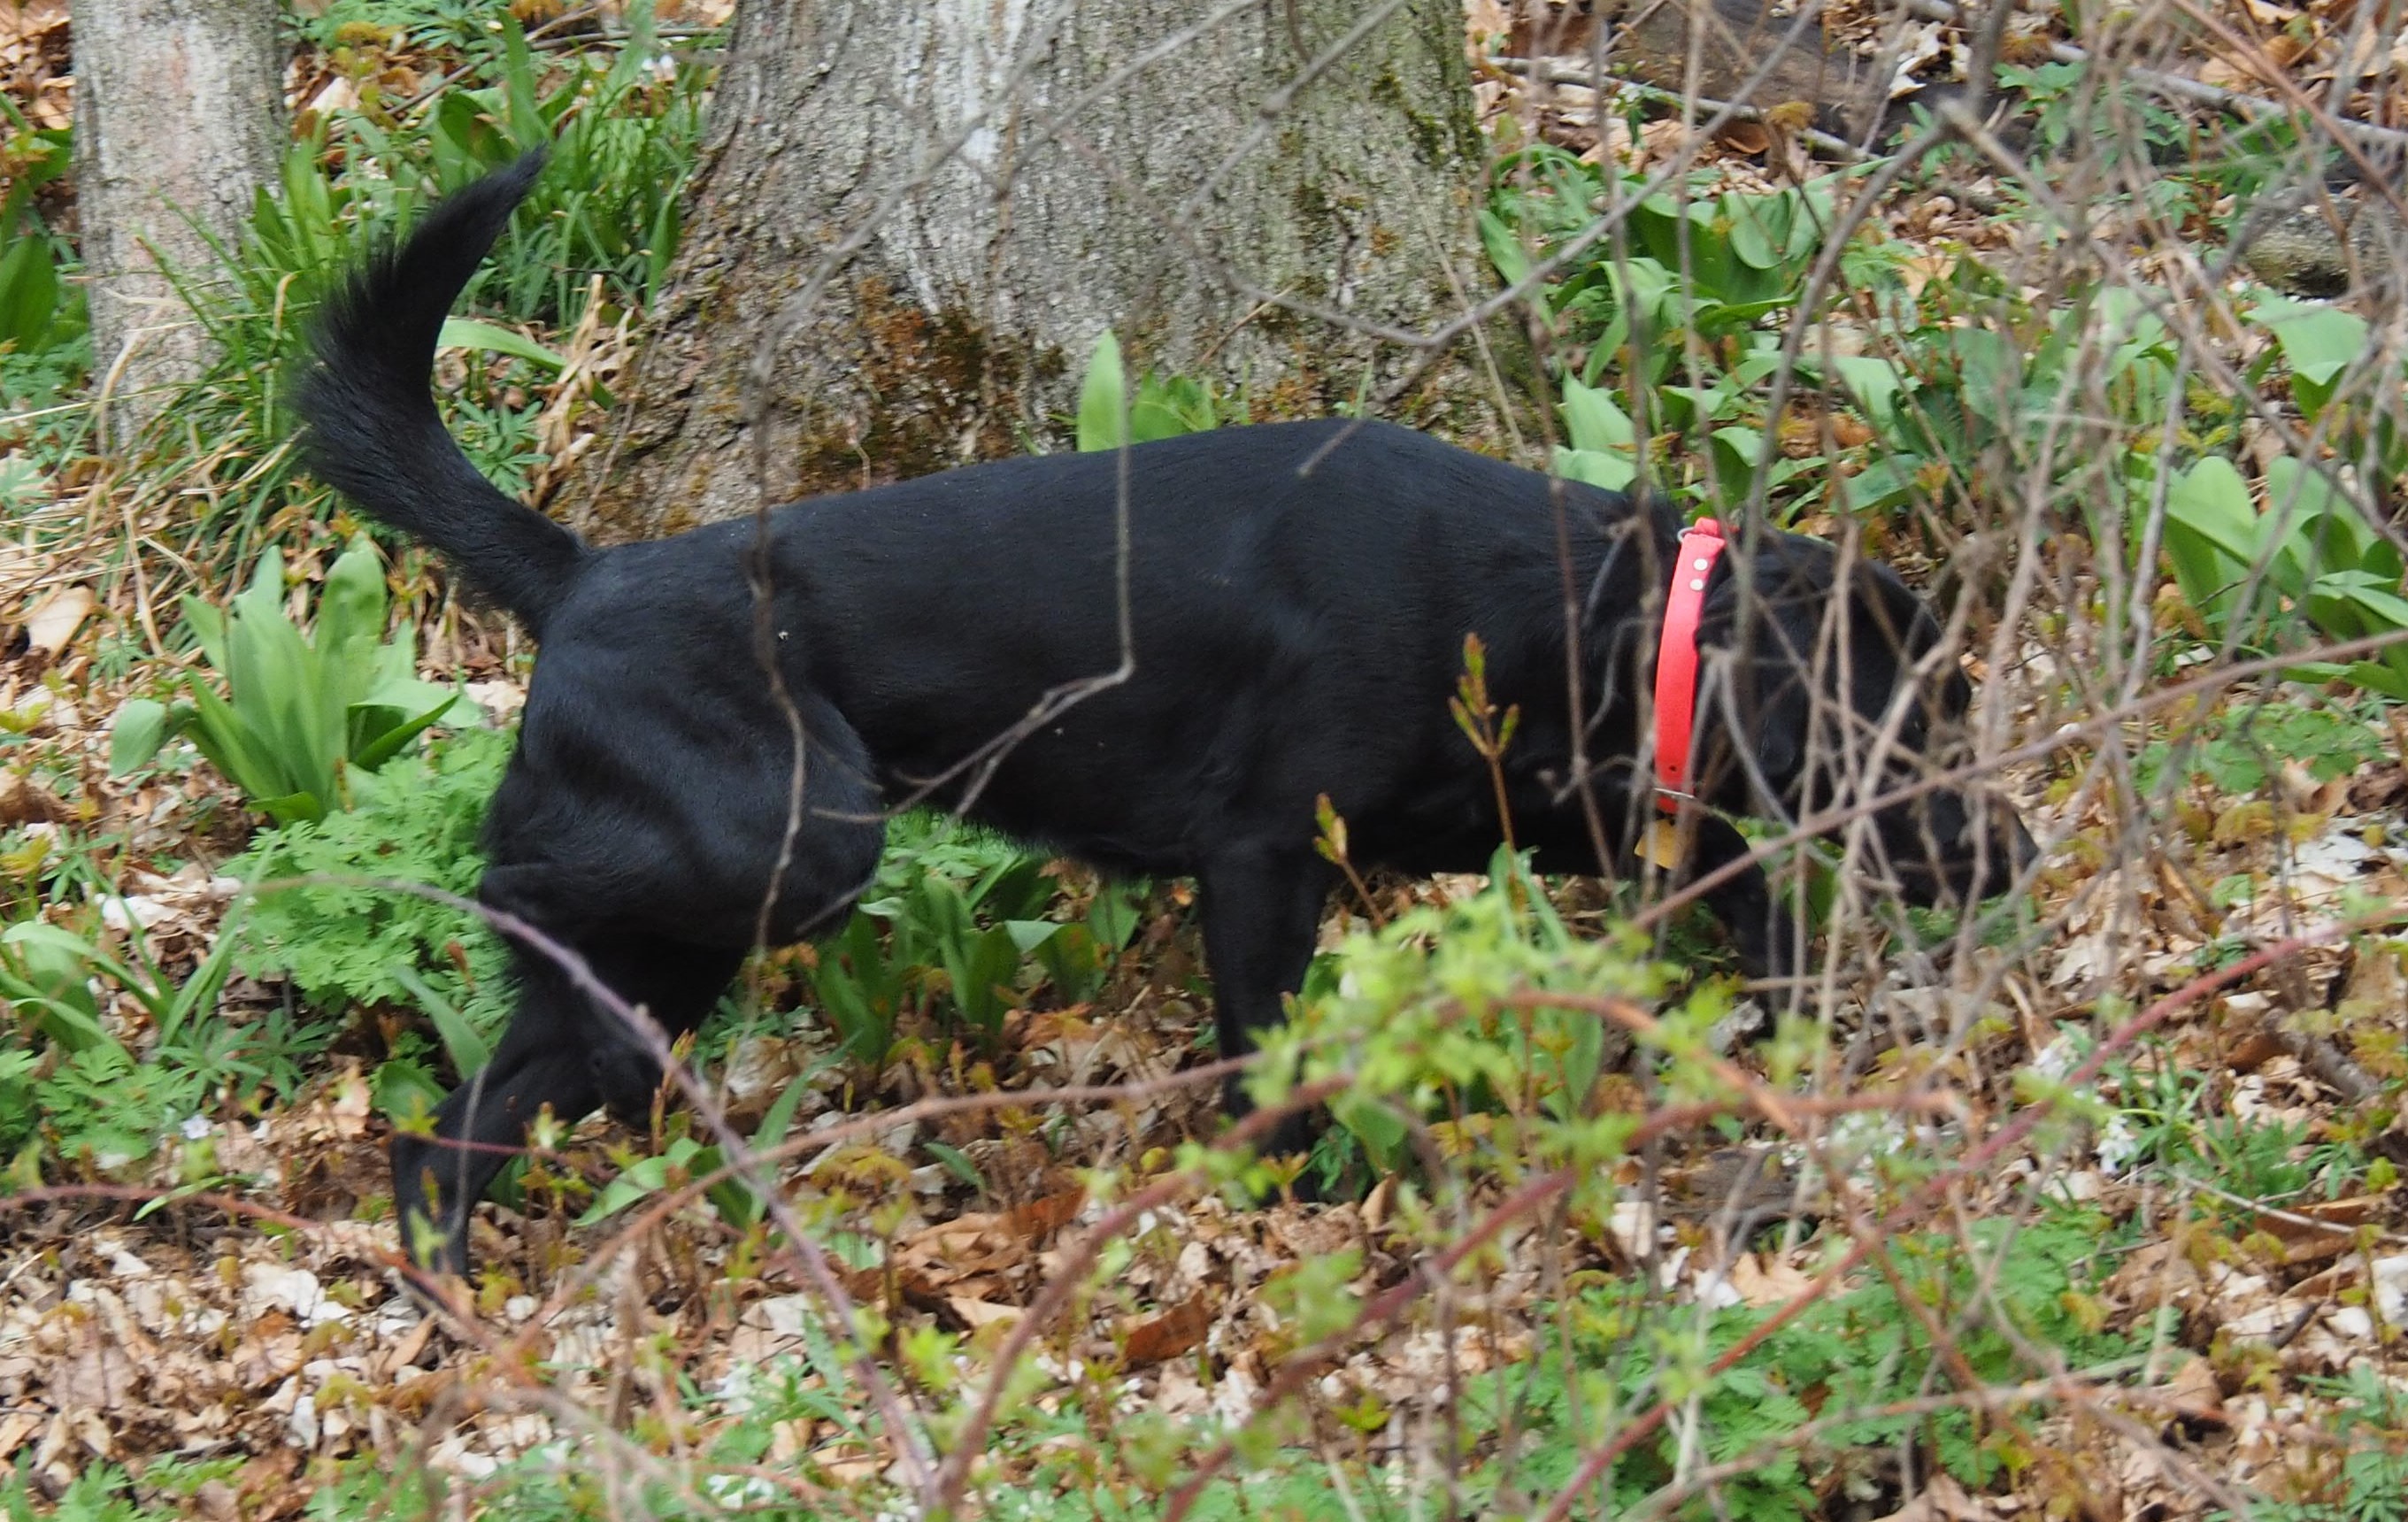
25	802
1040	1218
1169	1334
2192	1390
974	1314
55	619
1748	138
1762	1281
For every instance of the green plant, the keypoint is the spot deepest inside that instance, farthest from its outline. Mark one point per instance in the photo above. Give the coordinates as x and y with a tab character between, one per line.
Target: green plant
44	333
2162	1120
1158	407
303	712
94	1496
621	115
1979	379
949	928
623	126
2242	746
737	1203
1425	1034
319	918
94	1096
2367	1479
48	972
2309	548
1679	315
1860	1351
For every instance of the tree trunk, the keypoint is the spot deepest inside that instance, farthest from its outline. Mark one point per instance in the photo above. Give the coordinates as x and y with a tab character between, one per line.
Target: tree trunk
178	122
965	194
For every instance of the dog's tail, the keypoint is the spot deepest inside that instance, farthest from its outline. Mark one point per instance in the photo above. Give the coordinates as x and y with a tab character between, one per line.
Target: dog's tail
369	424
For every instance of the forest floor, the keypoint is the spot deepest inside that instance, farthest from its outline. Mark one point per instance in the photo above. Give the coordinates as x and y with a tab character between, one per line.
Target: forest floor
2184	1294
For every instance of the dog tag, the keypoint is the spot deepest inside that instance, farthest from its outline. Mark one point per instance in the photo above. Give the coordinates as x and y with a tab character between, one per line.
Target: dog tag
1660	844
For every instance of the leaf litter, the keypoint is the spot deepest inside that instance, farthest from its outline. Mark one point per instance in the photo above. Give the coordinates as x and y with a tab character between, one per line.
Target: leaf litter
181	1327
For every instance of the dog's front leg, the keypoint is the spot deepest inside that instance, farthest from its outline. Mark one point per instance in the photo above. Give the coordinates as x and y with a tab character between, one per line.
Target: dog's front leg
438	1179
1759	923
1262	913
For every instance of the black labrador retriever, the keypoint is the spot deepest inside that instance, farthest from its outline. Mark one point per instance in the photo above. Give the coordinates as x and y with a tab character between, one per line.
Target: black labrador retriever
1294	600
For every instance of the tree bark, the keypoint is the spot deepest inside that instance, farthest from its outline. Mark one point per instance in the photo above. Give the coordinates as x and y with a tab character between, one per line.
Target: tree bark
178	122
954	199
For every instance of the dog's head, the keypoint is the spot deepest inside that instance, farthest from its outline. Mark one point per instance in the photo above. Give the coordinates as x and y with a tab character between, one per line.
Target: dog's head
1834	694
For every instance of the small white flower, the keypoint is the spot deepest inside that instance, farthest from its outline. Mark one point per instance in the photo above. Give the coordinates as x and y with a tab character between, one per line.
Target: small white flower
2118	1145
2058	1058
194	1128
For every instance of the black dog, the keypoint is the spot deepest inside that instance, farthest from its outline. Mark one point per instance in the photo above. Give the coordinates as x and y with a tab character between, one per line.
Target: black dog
1296	597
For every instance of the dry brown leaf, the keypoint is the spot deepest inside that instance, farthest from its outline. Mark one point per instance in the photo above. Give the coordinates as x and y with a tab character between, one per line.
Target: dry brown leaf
55	619
1943	1500
973	1312
1748	138
1762	1282
2193	1391
1041	1218
23	801
1169	1335
15	1428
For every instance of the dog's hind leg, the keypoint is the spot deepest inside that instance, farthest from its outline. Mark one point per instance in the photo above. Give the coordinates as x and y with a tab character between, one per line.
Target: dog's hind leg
1262	912
562	1050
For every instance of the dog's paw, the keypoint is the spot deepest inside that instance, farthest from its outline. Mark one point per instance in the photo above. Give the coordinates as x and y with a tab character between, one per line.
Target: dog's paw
629	1080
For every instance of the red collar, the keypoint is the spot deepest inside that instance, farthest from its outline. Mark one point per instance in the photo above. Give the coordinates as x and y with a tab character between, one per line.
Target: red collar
1676	661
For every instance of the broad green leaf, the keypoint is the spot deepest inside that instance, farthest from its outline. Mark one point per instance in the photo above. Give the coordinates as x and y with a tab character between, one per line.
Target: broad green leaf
2318	343
351	605
382	748
1027	935
208	623
1759	229
49	967
1593	421
780	1117
1735	452
467	1050
1102	396
294	807
140	729
467	333
616	1195
2323	530
29	290
227	743
1874	383
1884	484
2379	677
1504	248
1613	472
2210	533
1380	1130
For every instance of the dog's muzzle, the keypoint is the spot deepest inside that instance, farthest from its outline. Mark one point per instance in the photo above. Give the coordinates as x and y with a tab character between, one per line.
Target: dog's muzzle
1955	847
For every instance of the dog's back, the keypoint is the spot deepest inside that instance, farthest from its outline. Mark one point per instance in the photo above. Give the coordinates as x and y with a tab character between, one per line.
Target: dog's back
1297	598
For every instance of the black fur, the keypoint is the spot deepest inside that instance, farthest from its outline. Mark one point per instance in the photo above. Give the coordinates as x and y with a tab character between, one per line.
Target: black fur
1299	595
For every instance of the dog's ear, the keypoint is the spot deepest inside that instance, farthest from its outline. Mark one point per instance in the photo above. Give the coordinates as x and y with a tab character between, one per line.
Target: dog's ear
1771	624
1891	629
1894	629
